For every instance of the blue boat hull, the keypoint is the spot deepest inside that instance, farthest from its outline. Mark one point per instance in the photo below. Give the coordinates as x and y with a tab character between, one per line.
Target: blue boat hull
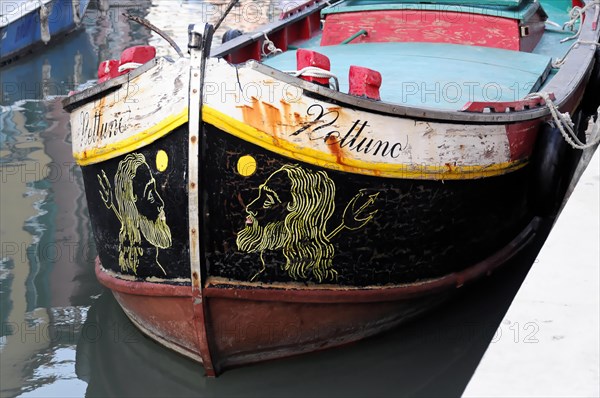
25	33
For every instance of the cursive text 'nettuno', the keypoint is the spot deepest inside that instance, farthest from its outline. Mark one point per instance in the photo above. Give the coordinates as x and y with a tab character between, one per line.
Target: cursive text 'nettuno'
355	138
95	129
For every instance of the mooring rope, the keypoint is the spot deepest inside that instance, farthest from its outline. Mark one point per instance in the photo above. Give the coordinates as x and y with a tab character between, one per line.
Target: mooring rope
565	124
128	66
576	14
271	48
557	63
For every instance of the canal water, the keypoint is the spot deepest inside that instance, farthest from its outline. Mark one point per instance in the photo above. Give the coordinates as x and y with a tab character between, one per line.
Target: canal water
63	335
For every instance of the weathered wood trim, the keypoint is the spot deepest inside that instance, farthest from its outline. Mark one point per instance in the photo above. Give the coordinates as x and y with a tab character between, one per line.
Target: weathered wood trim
132	115
102	89
495	136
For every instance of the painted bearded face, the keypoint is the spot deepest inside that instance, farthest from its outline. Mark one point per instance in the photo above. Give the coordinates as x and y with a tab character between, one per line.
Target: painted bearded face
150	206
265	220
290	214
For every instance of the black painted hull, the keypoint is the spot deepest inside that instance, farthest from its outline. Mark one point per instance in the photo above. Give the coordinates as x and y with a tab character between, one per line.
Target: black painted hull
422	229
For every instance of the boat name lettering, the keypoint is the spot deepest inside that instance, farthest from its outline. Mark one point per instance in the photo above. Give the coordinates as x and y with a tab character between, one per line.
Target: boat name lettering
94	129
355	138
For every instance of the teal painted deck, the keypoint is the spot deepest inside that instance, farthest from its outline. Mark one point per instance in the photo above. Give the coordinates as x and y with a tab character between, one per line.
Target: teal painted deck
550	45
558	11
442	76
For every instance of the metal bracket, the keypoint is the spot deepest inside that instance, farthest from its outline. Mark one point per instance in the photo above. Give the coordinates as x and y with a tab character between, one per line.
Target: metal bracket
199	48
200	37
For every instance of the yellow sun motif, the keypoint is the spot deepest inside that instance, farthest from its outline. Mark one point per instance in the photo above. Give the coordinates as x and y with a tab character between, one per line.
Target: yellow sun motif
246	165
162	160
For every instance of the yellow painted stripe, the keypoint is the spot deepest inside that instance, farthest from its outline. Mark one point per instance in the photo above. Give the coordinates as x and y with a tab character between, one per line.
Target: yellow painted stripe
132	143
250	134
330	161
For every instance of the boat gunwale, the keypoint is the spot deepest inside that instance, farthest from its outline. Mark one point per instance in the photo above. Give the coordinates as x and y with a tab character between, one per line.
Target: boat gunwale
578	65
91	93
72	102
269	28
399	110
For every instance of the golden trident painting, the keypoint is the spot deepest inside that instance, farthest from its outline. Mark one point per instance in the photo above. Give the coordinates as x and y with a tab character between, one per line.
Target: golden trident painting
139	208
291	213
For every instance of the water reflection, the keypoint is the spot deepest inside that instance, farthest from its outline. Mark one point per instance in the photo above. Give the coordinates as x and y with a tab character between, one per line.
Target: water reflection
46	278
174	20
433	356
46	244
18	150
55	71
110	31
53	369
46	274
113	357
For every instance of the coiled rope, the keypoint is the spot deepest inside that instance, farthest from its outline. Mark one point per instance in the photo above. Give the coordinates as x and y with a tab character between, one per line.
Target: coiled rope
576	15
268	47
128	66
565	125
557	63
